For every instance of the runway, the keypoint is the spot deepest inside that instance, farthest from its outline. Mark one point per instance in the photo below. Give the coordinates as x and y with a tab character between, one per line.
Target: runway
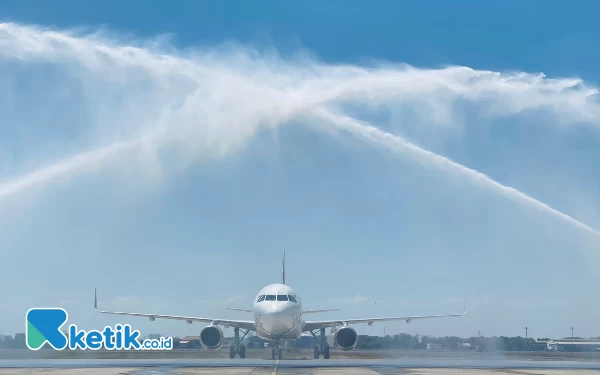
315	371
424	366
187	362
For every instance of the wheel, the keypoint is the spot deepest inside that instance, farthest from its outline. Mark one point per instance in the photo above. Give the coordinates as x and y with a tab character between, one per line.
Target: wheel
280	353
317	352
326	352
231	352
242	351
273	353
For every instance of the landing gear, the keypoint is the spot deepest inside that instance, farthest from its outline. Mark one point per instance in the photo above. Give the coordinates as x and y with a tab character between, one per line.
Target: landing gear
323	347
241	351
237	348
277	351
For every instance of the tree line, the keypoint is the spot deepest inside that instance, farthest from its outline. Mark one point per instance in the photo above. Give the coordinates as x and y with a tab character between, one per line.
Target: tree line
405	341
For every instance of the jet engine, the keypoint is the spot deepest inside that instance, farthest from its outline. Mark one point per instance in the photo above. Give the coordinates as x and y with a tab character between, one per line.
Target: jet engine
211	337
345	338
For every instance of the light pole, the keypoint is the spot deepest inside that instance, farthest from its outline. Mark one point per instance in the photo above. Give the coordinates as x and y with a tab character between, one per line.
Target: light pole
572	335
526	329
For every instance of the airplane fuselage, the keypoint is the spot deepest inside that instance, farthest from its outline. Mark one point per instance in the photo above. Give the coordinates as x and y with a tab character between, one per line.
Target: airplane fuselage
278	313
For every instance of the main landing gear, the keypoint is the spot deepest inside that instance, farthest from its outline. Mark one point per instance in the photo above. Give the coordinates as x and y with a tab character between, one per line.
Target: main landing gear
323	347
237	348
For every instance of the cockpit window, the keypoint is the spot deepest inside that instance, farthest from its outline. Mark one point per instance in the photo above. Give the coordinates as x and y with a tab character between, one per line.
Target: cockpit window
260	298
270	297
292	298
282	297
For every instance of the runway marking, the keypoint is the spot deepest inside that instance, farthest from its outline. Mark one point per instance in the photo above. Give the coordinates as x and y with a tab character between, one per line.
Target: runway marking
275	368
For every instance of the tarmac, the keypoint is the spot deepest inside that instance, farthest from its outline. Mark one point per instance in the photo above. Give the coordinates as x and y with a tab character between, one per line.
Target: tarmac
344	363
316	371
418	366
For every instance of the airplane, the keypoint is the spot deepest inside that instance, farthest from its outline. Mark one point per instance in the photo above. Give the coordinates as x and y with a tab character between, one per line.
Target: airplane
278	316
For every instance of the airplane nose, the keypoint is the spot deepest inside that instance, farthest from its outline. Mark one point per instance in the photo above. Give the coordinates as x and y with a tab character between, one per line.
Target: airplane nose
276	314
275	309
279	320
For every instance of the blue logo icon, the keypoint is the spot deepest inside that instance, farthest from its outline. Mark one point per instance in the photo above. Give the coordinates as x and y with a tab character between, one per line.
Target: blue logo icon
43	326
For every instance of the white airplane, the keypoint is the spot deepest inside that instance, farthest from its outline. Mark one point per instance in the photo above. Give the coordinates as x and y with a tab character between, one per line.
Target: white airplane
278	316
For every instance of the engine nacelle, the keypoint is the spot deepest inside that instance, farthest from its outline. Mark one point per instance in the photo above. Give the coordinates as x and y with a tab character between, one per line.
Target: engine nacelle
211	337
345	338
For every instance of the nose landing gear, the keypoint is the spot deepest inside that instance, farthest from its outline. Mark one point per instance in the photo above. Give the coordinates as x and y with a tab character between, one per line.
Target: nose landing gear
277	351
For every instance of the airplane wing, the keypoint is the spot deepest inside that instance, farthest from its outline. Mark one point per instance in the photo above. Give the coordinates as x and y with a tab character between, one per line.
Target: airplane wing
318	324
236	309
243	324
318	311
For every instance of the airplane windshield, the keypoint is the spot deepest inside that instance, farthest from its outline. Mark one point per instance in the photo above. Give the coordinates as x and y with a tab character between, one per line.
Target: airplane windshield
260	298
270	297
292	299
282	297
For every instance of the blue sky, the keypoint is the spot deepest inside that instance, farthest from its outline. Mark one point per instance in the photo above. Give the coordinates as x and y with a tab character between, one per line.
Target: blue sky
195	219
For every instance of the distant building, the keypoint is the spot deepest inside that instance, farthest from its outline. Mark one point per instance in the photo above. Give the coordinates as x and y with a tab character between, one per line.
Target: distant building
309	341
434	346
19	340
154	336
246	339
190	342
306	342
571	345
6	342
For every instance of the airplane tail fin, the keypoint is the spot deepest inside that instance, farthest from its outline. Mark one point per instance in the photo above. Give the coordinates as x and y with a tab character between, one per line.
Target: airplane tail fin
283	268
95	300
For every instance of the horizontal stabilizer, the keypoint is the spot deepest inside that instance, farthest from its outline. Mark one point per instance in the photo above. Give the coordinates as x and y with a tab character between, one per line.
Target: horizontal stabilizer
318	311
